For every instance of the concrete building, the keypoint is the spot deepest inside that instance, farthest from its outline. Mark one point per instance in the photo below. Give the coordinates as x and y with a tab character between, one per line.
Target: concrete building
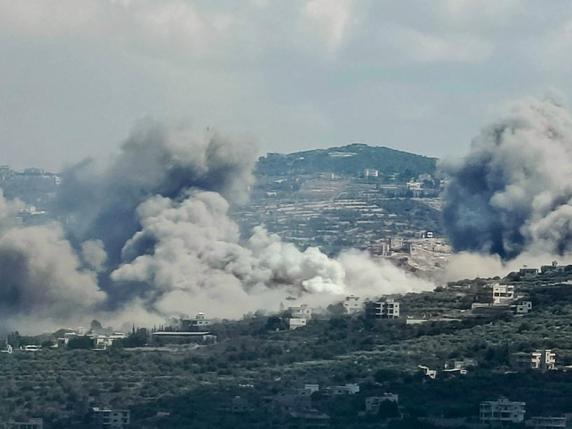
523	307
552	268
382	309
352	304
428	372
25	424
295	323
199	323
106	418
502	411
503	294
176	337
300	312
527	272
541	360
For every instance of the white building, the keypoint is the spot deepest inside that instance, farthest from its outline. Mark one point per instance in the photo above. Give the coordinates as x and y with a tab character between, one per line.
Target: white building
382	309
502	411
199	323
371	172
544	360
503	294
300	312
428	372
352	304
295	323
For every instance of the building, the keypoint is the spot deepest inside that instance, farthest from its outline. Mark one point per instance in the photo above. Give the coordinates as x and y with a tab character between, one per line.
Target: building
526	272
382	309
110	419
502	411
503	294
103	342
300	312
27	424
199	323
523	307
176	337
346	389
460	364
552	268
352	304
428	372
296	323
547	422
542	360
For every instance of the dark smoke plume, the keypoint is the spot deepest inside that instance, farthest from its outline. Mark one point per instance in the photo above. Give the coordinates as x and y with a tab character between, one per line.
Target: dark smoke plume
513	192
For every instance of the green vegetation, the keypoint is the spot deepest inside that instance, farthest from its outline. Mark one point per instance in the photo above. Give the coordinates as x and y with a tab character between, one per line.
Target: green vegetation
350	160
256	359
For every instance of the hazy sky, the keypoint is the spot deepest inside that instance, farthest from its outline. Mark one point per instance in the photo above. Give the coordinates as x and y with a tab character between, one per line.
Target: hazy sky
423	76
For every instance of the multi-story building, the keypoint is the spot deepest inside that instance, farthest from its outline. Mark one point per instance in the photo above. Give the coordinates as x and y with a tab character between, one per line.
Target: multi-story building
502	411
523	307
503	294
352	304
382	309
542	360
300	312
295	323
199	323
110	419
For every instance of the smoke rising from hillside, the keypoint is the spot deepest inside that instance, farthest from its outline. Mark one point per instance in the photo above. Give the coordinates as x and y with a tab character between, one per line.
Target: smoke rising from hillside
148	235
512	194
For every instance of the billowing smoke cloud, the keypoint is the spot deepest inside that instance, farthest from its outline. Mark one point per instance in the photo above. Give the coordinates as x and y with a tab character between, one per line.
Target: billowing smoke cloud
41	277
148	235
513	192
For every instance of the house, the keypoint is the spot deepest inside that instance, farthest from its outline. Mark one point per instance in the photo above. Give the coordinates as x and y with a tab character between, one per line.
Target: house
296	323
552	268
460	364
199	323
106	418
523	307
502	411
25	424
503	294
526	272
547	422
299	316
372	403
428	372
382	309
542	360
352	304
300	312
103	342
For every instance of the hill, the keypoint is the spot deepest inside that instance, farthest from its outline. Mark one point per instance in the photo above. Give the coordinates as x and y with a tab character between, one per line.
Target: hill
349	160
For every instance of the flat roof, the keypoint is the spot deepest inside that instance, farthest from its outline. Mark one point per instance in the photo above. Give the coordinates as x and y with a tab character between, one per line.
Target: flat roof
180	334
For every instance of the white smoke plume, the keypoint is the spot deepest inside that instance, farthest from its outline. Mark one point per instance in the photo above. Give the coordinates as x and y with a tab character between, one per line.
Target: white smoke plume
148	235
199	263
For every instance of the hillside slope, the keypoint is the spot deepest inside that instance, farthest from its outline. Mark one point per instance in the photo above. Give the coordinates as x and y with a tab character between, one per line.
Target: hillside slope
350	160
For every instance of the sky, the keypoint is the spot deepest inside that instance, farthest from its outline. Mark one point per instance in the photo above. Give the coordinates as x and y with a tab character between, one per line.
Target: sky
418	75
